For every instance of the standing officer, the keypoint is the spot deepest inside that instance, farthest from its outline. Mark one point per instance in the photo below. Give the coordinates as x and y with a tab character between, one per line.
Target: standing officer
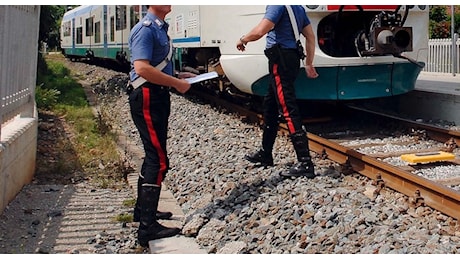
284	64
149	100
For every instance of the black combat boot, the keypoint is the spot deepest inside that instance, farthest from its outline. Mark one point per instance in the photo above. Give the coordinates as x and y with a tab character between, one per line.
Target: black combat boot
149	228
305	166
137	208
159	215
300	169
261	157
264	155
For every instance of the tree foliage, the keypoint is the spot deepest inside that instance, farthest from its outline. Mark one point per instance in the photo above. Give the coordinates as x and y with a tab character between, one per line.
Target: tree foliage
50	23
440	21
438	13
457	20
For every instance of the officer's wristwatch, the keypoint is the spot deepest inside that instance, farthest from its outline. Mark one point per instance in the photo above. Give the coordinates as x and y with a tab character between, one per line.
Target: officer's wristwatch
243	42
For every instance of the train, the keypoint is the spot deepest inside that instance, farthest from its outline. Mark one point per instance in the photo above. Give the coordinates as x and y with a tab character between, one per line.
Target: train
362	51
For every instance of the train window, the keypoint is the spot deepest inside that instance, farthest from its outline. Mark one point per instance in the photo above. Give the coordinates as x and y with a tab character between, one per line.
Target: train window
79	38
66	28
112	28
89	26
97	32
120	14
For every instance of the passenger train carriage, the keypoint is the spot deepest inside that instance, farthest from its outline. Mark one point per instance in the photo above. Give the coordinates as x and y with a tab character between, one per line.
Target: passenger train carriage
362	51
98	31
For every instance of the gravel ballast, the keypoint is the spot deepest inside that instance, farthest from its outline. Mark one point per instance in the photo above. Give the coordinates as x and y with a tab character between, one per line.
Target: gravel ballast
232	206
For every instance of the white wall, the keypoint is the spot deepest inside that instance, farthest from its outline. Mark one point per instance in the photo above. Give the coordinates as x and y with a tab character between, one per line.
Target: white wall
19	26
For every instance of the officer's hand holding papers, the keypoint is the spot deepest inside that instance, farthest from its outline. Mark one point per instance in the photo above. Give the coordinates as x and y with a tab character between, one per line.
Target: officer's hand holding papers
202	77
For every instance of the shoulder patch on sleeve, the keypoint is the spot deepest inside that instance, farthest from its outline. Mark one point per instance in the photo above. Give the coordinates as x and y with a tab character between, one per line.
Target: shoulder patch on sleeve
158	22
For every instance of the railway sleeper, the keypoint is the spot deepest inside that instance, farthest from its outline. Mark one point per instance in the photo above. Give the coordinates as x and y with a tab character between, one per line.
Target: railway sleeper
347	168
379	183
417	200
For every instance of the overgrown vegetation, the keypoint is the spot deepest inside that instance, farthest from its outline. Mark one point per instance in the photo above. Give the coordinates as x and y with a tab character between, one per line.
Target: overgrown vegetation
129	203
441	21
50	23
126	217
46	98
84	150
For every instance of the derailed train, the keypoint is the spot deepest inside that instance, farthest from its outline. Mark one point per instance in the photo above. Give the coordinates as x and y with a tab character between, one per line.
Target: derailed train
362	51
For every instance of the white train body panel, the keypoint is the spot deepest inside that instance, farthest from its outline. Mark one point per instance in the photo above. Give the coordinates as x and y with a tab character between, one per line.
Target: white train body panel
221	26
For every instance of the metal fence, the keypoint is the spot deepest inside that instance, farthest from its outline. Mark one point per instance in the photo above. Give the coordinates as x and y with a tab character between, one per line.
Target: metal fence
18	60
442	57
18	116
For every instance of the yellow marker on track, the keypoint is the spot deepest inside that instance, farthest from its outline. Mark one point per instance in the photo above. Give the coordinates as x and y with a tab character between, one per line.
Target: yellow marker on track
427	157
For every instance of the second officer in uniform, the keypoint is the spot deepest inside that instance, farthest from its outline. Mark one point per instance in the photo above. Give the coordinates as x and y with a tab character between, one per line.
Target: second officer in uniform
284	54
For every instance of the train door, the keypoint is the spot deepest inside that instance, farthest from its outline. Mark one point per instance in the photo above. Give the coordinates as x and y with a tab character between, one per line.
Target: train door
66	35
109	23
80	50
105	30
136	12
94	28
73	36
88	38
121	34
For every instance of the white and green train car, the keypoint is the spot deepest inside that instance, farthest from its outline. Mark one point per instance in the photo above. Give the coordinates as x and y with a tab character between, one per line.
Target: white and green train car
98	31
361	51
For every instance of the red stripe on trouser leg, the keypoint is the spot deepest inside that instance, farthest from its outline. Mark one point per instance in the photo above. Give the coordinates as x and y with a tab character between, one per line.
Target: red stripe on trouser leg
153	134
279	92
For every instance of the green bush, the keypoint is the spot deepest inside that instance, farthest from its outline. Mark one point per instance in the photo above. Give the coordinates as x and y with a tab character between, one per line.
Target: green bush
46	98
54	76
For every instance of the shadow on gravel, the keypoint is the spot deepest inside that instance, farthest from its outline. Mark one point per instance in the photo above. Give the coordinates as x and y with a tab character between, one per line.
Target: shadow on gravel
31	223
57	161
59	211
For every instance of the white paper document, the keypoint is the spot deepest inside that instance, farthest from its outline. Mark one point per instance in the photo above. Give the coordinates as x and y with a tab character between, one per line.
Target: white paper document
201	77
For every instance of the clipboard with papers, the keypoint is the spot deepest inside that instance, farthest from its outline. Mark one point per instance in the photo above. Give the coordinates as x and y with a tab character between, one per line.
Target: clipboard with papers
202	77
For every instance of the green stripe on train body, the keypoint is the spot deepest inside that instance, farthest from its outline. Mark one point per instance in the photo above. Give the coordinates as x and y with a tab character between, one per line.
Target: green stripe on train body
351	82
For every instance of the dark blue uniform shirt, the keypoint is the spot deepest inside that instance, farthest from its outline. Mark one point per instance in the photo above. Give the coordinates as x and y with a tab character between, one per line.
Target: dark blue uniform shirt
282	33
149	40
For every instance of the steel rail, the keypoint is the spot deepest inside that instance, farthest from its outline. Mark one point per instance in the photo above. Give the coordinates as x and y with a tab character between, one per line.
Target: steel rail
436	133
421	190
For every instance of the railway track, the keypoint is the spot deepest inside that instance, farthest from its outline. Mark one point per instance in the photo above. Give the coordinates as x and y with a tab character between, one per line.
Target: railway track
421	191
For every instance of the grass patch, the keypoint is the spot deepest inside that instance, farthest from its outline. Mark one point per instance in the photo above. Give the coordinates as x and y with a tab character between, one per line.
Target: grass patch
124	218
129	203
56	77
83	148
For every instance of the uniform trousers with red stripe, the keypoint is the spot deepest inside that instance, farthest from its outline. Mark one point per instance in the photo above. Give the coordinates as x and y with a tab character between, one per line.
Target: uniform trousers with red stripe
150	109
281	98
